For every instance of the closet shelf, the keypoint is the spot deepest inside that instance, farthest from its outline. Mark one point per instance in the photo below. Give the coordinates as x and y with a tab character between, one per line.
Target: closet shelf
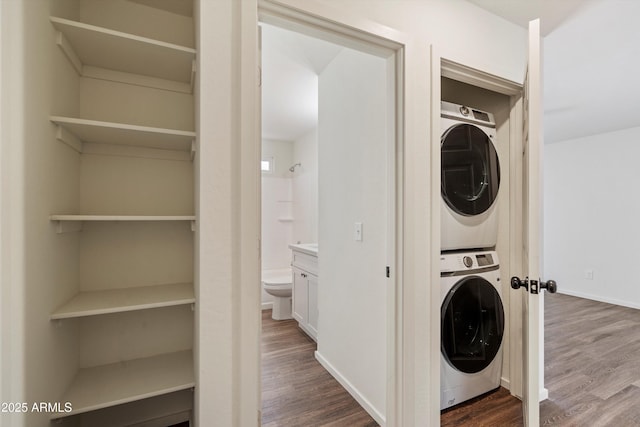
93	303
86	44
128	381
75	132
122	218
68	223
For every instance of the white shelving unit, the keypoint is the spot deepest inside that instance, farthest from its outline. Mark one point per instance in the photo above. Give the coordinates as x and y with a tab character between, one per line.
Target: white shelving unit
109	385
74	132
128	299
90	45
125	78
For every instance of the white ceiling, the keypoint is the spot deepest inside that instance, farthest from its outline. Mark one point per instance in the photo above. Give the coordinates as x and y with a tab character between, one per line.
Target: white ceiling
551	12
591	64
291	63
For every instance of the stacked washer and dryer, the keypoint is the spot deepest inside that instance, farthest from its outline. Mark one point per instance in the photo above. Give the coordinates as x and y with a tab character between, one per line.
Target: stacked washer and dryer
472	313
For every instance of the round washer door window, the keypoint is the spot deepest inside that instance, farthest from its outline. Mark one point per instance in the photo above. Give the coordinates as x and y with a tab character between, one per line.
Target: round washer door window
472	325
470	170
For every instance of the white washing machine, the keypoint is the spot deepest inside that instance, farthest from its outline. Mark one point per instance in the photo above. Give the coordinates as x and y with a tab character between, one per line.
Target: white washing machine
472	326
470	178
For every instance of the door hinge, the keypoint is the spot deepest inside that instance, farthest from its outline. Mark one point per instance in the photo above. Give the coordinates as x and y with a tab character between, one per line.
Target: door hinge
388	271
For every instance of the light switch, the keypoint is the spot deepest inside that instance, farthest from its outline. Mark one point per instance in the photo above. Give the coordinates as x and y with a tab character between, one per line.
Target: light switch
358	231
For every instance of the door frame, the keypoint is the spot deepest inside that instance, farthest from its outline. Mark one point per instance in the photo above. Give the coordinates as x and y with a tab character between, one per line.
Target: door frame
515	91
410	397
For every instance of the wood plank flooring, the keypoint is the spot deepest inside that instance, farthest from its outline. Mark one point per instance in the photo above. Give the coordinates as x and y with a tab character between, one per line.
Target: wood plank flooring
592	372
592	363
296	390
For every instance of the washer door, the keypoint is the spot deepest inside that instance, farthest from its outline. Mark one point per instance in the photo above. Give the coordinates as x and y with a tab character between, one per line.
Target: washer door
472	324
470	170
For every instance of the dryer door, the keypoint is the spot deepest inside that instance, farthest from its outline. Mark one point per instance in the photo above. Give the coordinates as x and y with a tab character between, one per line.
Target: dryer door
472	324
470	170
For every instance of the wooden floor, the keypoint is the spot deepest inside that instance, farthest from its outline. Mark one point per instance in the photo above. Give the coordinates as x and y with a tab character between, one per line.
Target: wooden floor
592	363
592	372
296	390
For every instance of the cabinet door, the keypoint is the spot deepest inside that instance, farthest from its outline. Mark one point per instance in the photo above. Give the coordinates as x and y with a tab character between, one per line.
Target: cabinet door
313	304
300	296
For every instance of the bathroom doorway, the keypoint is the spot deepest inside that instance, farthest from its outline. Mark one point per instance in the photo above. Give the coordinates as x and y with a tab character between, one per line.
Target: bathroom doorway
329	169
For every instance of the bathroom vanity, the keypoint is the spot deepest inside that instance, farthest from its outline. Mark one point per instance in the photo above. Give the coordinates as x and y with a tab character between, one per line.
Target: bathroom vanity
304	263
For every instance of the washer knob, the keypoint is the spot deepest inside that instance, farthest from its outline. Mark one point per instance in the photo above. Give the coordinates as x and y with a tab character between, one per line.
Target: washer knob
468	262
464	111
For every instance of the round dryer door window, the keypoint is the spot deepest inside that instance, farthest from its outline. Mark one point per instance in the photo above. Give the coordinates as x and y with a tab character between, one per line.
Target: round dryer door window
472	324
470	170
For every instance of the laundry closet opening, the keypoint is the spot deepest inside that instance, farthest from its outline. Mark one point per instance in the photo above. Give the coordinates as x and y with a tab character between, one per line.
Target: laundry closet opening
328	224
476	224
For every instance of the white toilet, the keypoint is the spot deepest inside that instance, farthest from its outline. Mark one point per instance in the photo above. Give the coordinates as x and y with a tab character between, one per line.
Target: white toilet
278	283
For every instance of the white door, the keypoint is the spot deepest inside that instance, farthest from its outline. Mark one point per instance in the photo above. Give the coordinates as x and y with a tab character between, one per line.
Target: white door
531	227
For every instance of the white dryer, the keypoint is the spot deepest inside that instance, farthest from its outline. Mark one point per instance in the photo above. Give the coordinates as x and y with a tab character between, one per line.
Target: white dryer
472	326
470	178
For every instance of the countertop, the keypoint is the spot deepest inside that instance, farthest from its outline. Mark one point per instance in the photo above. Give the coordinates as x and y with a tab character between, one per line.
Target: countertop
307	248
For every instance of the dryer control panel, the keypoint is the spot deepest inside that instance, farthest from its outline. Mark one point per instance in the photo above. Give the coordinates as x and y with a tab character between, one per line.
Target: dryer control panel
465	261
466	114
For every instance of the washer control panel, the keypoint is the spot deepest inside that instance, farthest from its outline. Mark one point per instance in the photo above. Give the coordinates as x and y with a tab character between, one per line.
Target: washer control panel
452	262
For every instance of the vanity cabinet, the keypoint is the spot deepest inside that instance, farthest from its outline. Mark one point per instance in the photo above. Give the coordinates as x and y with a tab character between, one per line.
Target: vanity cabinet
305	290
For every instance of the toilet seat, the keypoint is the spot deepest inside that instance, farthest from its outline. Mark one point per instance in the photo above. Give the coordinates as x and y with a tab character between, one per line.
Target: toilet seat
277	278
278	286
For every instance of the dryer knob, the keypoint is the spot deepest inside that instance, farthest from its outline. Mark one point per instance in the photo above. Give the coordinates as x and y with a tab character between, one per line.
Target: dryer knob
468	262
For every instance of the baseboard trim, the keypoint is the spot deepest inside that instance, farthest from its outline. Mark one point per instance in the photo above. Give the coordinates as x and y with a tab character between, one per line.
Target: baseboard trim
544	394
504	382
598	298
267	305
366	405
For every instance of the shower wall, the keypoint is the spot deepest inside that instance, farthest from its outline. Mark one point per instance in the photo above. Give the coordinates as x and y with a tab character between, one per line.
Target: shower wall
277	200
305	188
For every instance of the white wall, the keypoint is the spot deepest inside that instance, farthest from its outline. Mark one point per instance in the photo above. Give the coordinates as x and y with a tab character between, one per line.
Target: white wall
305	188
39	177
462	31
11	210
276	222
352	158
591	211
